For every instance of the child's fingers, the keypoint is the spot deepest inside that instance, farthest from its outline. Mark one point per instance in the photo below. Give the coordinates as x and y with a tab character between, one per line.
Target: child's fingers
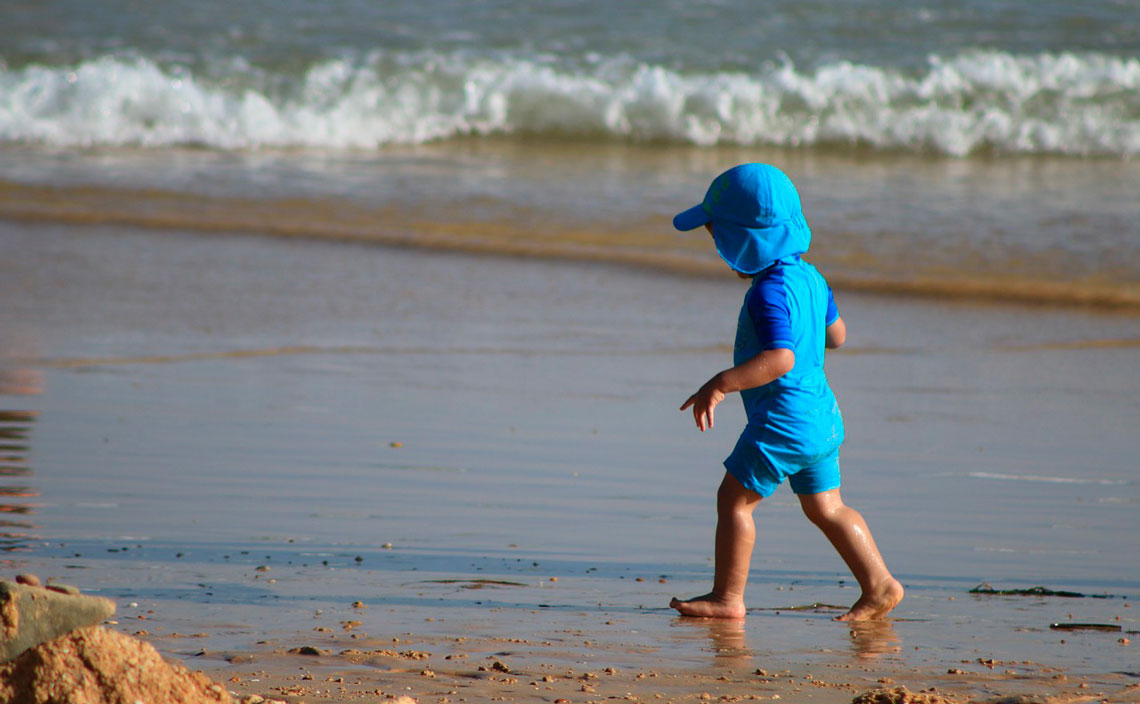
703	416
702	411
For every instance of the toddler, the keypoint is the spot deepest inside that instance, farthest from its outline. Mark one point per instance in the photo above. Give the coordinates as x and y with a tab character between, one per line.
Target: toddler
794	427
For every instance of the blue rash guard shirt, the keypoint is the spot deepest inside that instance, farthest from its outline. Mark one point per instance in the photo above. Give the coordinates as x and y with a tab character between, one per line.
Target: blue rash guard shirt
794	422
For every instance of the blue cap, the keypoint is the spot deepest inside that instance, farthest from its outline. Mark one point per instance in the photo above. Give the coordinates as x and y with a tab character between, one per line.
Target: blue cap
756	216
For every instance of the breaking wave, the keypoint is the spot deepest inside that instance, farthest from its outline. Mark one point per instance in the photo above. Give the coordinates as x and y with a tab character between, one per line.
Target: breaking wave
1084	104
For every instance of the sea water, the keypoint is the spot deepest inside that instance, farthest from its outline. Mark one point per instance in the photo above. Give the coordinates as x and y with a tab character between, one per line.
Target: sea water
979	149
1010	77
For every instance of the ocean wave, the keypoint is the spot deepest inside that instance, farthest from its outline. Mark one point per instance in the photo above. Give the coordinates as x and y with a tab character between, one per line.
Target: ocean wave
1072	104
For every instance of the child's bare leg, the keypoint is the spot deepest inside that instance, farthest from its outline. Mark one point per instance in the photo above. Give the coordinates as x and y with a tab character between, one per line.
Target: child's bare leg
848	532
735	536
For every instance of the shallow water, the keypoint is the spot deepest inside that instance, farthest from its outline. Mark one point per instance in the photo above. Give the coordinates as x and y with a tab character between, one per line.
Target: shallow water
1035	229
192	407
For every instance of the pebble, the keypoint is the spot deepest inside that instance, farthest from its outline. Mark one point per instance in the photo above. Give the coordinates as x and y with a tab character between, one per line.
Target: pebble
64	589
305	650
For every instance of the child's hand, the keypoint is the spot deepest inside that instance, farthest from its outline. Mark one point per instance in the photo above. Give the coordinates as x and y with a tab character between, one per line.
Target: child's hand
703	403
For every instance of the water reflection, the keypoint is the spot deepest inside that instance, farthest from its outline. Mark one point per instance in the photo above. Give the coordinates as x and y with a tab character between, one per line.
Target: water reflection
727	639
729	642
871	639
17	495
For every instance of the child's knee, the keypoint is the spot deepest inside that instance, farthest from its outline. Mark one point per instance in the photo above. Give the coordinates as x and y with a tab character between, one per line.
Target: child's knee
822	509
733	496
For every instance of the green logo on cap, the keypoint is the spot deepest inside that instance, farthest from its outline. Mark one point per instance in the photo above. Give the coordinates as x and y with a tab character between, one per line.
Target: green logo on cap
715	193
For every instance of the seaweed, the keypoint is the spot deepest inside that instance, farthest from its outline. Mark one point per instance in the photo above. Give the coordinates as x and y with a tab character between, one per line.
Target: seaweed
475	583
1086	627
985	589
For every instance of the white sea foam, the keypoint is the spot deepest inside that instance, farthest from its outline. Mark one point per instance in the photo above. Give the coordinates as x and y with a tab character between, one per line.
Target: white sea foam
1046	479
1076	104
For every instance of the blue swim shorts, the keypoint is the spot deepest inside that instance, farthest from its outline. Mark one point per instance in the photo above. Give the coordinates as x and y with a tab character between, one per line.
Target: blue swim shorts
761	467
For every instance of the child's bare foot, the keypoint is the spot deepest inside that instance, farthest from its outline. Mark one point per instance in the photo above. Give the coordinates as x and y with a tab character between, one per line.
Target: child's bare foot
875	604
709	606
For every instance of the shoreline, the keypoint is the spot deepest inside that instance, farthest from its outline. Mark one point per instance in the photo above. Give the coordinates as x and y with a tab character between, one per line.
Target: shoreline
650	246
980	231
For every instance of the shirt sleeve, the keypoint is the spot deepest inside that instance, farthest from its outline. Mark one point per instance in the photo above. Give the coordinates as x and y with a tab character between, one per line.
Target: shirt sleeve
832	309
768	308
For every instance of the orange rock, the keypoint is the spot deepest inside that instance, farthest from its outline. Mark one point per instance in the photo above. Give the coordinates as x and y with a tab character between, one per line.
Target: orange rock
98	666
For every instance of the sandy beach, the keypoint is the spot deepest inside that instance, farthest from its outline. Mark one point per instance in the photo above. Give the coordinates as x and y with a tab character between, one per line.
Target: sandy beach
345	459
515	669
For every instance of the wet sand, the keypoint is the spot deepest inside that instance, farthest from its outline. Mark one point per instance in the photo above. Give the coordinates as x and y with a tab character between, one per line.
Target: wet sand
343	668
238	438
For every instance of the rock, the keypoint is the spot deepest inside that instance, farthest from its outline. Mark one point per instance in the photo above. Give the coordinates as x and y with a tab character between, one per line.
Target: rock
901	695
32	615
98	666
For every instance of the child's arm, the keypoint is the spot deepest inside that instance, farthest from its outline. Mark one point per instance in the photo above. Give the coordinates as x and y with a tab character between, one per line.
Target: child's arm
836	334
762	369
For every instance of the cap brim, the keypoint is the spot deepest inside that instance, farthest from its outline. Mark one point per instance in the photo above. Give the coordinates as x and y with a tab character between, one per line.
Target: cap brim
692	218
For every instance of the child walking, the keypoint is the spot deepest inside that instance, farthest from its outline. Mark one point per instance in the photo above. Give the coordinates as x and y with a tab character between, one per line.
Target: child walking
794	428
